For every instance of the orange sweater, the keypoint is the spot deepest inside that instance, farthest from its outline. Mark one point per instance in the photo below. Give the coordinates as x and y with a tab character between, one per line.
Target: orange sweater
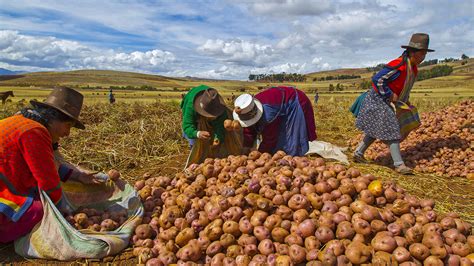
26	165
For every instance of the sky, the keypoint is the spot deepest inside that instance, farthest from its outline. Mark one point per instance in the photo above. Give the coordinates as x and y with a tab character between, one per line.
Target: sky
226	39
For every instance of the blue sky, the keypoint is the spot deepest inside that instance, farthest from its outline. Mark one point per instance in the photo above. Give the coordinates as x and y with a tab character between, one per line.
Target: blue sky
227	39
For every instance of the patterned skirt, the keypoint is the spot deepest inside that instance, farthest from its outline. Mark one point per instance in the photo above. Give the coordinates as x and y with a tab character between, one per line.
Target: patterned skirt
377	119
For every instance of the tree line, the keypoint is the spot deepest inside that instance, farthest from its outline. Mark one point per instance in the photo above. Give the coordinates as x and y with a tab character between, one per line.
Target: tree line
280	77
338	77
437	71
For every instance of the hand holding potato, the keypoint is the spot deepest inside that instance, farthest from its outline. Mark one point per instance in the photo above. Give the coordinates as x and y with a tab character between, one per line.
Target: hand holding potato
203	135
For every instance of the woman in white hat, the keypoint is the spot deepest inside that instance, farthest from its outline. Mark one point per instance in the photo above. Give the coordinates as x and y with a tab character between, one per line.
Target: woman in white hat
390	86
28	144
282	116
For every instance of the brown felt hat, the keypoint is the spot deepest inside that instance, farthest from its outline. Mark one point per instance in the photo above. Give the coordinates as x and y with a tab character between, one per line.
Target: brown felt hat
67	101
209	103
419	41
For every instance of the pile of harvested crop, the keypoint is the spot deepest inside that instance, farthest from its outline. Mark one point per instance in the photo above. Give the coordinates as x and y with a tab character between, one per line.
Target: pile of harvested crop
88	218
282	210
443	144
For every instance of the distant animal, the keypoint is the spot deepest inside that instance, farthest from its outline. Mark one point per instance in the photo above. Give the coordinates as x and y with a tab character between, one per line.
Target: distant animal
4	95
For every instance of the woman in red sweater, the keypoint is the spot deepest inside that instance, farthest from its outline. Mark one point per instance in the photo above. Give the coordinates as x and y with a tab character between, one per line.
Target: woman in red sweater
390	86
28	144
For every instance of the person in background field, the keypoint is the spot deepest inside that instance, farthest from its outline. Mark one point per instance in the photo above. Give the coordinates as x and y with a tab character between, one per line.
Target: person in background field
377	118
205	102
29	160
282	116
111	97
316	98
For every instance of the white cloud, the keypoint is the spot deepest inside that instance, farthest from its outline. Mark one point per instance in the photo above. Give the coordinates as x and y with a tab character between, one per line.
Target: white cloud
238	51
52	53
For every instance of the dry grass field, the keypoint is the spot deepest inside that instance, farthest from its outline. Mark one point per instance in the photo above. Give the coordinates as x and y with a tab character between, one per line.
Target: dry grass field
141	132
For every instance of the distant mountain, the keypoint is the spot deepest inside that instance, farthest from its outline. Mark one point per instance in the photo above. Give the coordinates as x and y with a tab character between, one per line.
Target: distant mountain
4	71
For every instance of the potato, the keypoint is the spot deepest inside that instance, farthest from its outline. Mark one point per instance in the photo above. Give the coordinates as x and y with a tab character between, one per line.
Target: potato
234	251
108	225
401	254
189	253
362	227
433	261
324	234
228	125
307	228
419	251
227	240
113	174
358	253
236	125
461	249
345	230
279	234
266	247
144	231
297	254
184	236
383	241
81	219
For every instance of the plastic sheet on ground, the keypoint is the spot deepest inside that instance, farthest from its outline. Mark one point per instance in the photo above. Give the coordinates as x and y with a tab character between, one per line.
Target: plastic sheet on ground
327	151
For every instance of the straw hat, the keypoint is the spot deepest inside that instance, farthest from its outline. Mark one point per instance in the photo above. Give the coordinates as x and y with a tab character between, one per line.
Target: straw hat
248	110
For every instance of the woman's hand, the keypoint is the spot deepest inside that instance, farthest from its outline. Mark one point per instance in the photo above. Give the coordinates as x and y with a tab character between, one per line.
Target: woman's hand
91	178
394	98
203	135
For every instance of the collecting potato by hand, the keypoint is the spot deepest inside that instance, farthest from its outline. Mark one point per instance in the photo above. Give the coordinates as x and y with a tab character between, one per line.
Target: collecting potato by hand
113	174
228	125
236	125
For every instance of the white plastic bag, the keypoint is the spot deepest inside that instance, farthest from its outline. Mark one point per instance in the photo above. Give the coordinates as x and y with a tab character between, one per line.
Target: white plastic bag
328	151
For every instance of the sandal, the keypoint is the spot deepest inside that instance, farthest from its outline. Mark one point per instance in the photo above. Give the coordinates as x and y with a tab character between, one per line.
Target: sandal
404	170
359	158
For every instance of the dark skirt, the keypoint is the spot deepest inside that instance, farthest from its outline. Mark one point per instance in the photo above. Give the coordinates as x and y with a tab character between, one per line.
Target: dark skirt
377	118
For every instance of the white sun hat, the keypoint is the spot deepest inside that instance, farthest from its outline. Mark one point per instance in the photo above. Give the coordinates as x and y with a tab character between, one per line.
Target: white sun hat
249	110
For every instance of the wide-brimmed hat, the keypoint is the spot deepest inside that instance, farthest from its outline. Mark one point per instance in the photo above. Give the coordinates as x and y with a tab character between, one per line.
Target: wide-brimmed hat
419	41
248	110
209	103
67	101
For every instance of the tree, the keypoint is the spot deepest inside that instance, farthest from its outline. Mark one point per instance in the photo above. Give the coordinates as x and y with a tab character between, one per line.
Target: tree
464	57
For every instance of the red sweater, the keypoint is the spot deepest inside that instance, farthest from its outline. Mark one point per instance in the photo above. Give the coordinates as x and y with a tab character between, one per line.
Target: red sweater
391	79
26	165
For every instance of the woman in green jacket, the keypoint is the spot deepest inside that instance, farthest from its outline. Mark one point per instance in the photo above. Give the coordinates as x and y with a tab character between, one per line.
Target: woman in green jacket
203	102
204	112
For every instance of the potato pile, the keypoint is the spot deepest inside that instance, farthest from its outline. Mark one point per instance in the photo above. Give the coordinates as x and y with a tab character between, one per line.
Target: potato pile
100	221
282	210
443	144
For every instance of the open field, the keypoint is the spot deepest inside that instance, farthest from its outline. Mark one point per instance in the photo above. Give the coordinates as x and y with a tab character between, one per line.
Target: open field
141	132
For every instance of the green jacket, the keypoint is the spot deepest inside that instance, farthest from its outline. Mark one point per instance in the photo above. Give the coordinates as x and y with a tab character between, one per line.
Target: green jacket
190	116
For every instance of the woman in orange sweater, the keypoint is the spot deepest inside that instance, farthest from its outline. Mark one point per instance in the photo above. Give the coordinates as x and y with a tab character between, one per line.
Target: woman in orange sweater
28	141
